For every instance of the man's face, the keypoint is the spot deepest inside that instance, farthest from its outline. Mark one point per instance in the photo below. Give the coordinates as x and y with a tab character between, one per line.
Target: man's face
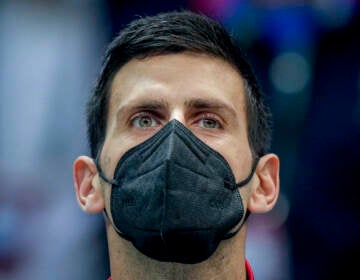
205	93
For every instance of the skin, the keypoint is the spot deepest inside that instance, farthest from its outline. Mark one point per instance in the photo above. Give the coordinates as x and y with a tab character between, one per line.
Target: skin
207	95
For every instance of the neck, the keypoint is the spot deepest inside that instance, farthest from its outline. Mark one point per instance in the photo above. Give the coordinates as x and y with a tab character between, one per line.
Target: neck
128	263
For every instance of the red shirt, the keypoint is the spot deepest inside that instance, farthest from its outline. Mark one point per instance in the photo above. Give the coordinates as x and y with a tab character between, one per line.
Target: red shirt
249	272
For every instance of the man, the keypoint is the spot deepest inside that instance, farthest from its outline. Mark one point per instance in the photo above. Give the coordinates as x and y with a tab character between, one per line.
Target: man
179	135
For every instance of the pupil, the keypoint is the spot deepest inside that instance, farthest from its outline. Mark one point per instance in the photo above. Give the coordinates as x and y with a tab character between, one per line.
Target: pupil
209	123
145	121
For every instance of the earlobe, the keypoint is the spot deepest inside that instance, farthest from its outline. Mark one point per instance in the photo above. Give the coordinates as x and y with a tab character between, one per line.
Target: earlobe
265	190
88	190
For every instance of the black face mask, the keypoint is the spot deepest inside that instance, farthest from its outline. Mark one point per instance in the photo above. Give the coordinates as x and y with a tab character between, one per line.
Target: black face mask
174	197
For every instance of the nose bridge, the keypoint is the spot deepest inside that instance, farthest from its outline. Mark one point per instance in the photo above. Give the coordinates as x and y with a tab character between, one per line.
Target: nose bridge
178	113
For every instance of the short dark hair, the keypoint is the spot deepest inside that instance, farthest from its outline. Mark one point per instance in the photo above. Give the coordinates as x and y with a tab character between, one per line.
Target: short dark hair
177	32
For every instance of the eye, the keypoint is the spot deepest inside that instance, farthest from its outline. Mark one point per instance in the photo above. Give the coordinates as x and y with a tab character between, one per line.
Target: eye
144	121
209	123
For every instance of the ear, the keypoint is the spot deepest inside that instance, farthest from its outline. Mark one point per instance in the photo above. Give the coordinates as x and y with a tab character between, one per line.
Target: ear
265	191
87	186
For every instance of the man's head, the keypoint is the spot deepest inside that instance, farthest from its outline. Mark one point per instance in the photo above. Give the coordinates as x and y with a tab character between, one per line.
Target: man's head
177	123
175	33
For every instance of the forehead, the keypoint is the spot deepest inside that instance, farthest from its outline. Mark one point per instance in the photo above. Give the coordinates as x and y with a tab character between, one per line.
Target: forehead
177	79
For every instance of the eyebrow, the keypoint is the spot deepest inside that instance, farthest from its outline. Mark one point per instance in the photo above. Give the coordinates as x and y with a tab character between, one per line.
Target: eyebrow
163	105
200	103
142	105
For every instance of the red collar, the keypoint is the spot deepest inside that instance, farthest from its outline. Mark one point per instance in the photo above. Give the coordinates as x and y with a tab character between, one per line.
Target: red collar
249	272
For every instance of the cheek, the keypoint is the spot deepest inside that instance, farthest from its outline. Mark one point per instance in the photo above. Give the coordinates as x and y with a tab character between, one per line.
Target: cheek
113	151
107	203
107	194
238	155
245	195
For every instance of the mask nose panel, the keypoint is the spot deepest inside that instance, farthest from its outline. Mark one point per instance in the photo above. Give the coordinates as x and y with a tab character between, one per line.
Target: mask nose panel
176	143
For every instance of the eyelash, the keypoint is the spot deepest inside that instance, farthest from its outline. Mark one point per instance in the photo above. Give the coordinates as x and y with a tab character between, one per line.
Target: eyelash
143	114
200	117
210	116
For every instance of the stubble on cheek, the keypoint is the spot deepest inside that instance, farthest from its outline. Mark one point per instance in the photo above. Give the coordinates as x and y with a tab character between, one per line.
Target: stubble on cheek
106	161
106	187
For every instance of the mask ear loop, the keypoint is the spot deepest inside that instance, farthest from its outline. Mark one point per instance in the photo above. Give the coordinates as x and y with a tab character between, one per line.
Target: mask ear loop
113	183
247	180
247	214
101	173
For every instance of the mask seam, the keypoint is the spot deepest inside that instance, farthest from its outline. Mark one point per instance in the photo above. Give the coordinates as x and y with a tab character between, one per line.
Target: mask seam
227	182
144	173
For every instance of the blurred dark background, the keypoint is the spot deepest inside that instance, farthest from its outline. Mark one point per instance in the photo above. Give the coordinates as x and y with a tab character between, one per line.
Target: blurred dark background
306	56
